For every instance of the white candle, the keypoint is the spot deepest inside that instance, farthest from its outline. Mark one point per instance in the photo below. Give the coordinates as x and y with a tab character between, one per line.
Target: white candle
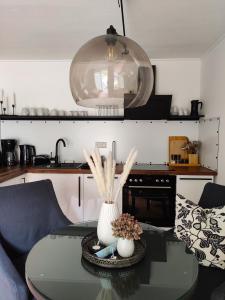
2	95
6	103
14	99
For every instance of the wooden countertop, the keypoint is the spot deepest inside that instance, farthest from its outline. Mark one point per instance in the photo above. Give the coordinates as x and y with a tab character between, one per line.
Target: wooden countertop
9	173
179	171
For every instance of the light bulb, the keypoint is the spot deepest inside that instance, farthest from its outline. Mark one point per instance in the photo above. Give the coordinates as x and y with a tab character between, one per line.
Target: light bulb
111	55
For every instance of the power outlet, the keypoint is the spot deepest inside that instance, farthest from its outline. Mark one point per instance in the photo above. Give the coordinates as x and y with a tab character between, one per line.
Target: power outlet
101	145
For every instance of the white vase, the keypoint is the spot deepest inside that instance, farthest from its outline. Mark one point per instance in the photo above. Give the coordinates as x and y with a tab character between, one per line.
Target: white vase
125	247
109	212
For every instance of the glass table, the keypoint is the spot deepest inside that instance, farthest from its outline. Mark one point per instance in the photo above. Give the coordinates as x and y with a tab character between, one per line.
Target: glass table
56	270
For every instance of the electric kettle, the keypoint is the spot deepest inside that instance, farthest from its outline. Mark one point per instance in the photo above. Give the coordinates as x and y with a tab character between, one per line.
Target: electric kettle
194	107
26	154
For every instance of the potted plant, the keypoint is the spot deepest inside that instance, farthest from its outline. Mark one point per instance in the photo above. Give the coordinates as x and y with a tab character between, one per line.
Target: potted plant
192	149
126	229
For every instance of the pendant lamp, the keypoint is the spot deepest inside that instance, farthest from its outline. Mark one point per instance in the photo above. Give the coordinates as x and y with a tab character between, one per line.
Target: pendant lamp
111	70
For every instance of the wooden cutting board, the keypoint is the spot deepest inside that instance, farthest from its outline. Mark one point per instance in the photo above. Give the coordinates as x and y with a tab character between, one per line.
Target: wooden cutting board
176	143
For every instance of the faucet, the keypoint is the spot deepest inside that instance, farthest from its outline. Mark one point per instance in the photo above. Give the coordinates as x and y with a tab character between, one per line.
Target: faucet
56	150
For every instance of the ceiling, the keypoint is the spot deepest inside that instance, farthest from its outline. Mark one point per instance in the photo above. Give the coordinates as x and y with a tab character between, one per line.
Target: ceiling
55	29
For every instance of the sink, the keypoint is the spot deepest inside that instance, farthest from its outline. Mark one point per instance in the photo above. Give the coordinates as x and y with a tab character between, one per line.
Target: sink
65	166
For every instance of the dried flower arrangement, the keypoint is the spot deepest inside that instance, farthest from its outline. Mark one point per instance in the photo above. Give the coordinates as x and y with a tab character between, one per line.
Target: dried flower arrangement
127	227
104	175
192	147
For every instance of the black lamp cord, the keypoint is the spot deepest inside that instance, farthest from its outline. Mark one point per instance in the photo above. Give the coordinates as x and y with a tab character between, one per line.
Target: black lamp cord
120	3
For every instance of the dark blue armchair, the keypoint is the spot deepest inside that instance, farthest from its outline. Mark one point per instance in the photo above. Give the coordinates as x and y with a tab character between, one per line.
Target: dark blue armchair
28	212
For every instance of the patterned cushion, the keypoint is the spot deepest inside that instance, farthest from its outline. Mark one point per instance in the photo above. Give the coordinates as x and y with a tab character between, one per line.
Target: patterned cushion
203	231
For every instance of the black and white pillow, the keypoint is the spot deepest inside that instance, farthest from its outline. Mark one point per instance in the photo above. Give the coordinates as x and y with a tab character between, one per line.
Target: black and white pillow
203	231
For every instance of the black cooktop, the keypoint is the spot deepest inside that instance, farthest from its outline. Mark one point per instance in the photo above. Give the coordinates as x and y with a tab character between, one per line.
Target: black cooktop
151	167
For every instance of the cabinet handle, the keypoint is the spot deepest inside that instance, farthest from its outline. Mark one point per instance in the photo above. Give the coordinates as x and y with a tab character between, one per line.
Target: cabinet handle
91	177
184	178
149	187
79	191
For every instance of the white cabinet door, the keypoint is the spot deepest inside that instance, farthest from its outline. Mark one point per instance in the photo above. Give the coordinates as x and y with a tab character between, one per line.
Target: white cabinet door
69	192
192	187
119	200
15	180
92	200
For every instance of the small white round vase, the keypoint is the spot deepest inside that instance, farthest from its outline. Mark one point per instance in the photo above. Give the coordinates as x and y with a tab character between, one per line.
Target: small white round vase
125	247
109	212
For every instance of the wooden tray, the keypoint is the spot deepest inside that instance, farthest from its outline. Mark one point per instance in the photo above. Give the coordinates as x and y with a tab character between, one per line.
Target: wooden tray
92	239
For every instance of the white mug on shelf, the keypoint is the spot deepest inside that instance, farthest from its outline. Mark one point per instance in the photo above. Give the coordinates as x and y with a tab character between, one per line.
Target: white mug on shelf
74	113
25	111
181	111
61	112
33	111
40	111
81	113
174	110
46	111
186	112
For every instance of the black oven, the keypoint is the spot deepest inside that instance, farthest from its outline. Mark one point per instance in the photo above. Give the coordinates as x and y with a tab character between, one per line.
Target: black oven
151	198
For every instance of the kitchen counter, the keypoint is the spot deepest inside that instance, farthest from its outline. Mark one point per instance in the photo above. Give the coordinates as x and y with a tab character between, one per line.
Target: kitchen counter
9	173
178	171
12	172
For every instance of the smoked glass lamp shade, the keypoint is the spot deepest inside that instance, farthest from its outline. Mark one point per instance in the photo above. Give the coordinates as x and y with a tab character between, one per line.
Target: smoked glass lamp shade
111	70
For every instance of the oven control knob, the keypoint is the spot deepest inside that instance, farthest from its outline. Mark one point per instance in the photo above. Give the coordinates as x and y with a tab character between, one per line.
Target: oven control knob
162	180
157	180
140	180
167	180
130	180
135	180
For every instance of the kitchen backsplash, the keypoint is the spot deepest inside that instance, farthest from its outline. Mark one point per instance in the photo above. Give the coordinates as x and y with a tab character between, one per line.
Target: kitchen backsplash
149	137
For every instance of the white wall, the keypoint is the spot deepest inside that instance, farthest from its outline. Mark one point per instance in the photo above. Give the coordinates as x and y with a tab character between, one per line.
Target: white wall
181	78
213	93
150	138
46	84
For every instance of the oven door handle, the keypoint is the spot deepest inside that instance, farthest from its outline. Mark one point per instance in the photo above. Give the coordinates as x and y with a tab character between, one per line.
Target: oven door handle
149	187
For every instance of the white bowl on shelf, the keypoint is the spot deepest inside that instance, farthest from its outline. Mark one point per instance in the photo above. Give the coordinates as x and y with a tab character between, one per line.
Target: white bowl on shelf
54	112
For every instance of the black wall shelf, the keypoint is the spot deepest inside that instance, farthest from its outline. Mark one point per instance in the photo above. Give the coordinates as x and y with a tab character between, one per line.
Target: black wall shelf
184	118
89	118
59	118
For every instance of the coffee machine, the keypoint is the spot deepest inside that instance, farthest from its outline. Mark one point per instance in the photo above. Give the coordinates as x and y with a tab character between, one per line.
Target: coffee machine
8	152
27	152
